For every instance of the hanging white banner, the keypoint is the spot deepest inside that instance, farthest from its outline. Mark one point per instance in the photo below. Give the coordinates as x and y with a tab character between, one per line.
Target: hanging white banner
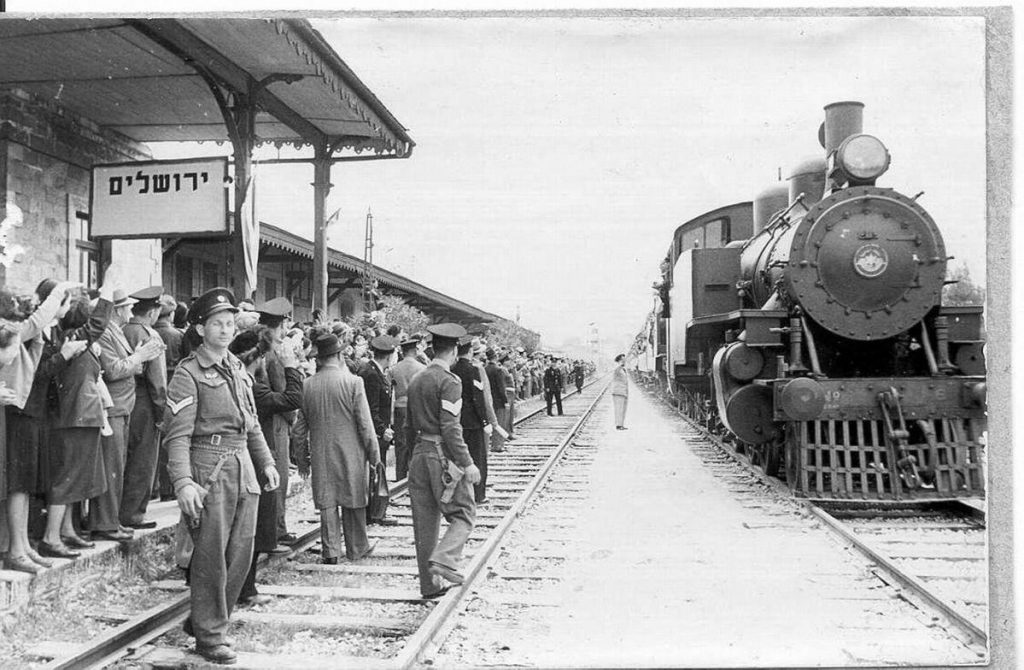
160	198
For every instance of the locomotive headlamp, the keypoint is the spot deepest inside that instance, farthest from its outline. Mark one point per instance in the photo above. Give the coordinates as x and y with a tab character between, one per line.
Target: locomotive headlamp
863	157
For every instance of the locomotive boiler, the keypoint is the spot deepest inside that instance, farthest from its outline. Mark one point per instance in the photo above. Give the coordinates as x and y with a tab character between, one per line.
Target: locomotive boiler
813	331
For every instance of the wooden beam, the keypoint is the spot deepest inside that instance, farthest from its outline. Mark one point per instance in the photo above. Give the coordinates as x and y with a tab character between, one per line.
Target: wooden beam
278	258
176	38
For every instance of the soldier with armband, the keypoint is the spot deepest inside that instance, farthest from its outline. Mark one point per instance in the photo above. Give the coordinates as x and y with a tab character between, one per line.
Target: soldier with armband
441	471
213	437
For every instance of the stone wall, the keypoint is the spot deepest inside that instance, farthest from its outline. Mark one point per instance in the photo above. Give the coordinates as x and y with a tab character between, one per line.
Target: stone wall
46	154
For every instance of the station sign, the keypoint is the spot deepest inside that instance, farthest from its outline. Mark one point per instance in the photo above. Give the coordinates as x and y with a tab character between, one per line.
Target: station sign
179	198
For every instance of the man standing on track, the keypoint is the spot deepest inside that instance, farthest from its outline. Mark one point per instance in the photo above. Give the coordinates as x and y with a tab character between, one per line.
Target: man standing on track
553	385
474	412
212	437
496	378
276	316
441	469
335	421
402	374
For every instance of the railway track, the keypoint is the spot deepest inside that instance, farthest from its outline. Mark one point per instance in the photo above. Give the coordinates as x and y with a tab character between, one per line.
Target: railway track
373	606
934	553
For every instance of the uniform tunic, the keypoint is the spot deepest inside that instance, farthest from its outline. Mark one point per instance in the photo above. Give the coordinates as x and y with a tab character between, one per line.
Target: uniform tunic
474	417
434	405
212	437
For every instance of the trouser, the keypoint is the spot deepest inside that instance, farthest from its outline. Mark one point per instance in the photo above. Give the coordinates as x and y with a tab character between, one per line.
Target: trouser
352	525
141	461
425	489
497	441
476	440
510	423
162	480
620	402
402	450
282	458
555	395
249	585
223	542
104	508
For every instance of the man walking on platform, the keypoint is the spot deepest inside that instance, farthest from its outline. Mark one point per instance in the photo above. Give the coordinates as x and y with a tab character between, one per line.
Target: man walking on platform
150	397
553	386
335	419
401	375
474	413
276	316
441	469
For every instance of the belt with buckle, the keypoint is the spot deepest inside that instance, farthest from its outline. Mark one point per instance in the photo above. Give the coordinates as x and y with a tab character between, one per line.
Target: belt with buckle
220	443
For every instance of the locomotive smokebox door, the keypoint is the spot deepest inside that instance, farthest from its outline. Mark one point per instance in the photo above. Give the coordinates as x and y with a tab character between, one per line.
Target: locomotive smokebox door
867	263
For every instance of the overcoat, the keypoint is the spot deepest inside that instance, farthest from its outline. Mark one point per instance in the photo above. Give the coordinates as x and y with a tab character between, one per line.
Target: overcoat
336	418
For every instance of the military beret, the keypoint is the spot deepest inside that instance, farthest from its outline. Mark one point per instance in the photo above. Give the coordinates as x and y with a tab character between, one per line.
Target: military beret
213	301
383	343
274	311
243	342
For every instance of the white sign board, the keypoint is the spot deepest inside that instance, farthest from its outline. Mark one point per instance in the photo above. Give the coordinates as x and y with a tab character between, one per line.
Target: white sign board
160	198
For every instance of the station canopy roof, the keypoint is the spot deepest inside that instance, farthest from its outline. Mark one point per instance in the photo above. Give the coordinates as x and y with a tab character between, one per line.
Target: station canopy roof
346	271
150	79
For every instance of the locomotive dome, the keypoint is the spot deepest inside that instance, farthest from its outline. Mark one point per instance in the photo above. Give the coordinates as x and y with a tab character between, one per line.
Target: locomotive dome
866	263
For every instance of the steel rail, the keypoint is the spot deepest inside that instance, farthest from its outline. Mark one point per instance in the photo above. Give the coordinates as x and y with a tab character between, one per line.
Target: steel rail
433	630
160	619
907	581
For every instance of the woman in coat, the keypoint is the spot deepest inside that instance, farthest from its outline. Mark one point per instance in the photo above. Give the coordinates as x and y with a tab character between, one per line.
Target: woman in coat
620	391
249	347
76	457
28	418
342	444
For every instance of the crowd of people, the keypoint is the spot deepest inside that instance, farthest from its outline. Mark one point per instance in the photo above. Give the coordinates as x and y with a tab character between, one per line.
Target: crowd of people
113	399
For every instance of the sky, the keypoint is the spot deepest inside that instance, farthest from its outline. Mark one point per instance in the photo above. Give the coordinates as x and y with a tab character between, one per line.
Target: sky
555	156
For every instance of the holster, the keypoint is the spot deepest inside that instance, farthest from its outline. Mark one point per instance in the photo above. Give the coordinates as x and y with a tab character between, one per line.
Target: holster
451	475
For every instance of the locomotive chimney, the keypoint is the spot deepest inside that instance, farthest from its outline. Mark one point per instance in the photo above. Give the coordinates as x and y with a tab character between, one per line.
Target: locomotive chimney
842	119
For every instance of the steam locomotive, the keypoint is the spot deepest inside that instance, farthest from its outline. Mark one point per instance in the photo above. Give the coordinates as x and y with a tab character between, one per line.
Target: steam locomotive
808	327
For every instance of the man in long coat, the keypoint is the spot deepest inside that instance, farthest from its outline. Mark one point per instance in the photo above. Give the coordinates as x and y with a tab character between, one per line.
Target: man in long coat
335	418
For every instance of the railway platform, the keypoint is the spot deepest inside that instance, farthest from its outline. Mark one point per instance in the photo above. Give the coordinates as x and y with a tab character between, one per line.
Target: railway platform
672	560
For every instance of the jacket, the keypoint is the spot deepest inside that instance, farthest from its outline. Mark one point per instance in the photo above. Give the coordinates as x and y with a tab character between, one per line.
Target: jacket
378	396
474	407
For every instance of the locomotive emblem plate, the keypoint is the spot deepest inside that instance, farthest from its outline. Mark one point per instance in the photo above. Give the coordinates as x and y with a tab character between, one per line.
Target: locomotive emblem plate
870	260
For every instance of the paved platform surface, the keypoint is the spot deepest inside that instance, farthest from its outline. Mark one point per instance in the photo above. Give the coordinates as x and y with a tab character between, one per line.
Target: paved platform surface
667	568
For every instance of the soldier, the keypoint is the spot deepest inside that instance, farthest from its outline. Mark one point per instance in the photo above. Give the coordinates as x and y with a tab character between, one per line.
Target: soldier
553	385
474	412
402	374
212	438
150	397
378	390
500	386
276	316
441	469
